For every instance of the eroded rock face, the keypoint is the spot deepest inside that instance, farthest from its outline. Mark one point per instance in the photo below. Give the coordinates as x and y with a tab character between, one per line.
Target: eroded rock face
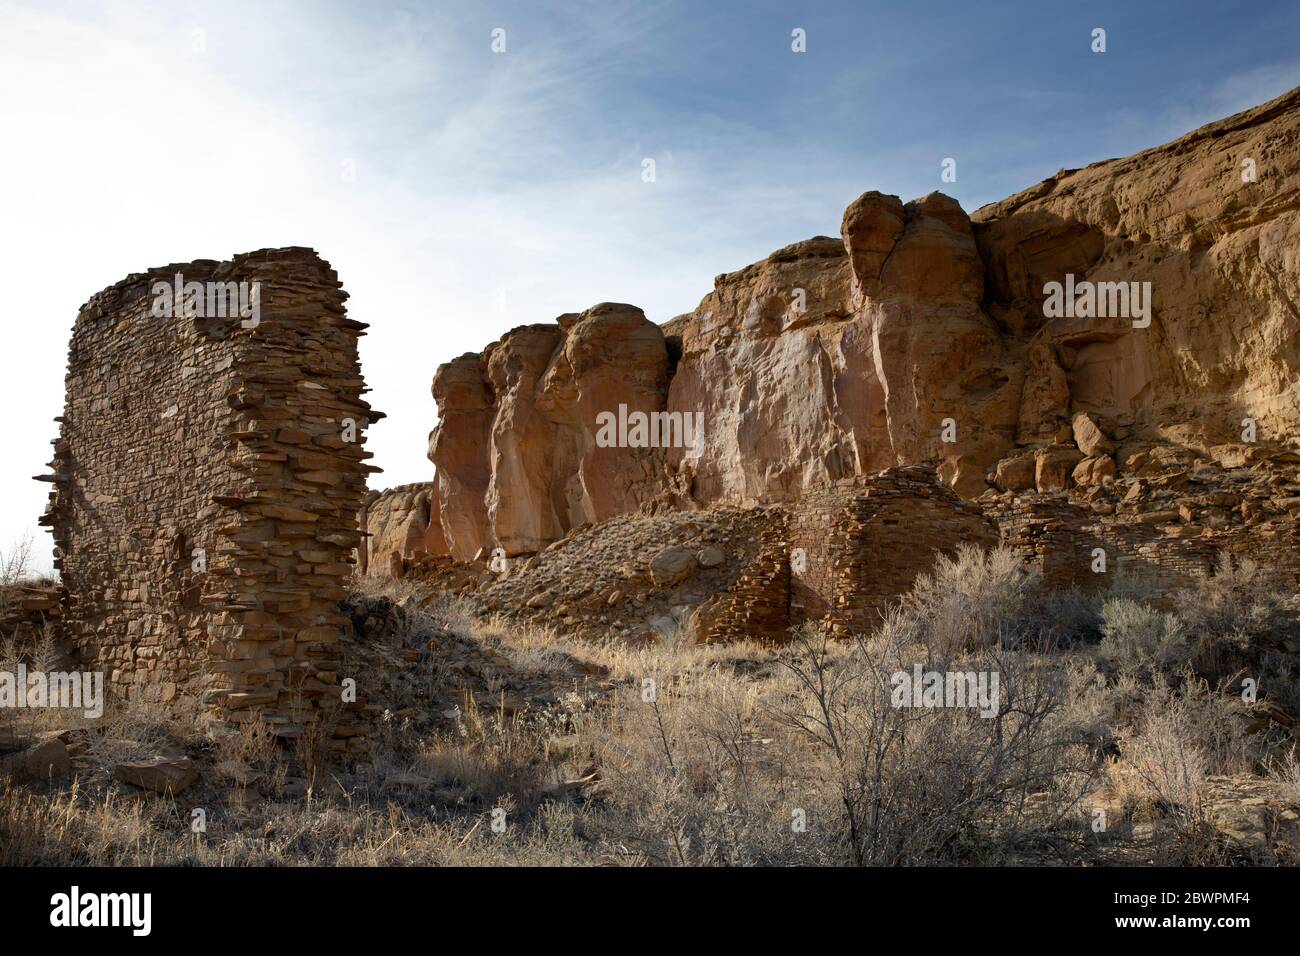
950	386
919	335
402	521
458	449
518	448
782	395
1222	254
612	363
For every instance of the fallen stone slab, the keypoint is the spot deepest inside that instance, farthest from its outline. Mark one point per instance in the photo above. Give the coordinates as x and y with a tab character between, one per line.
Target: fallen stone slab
167	775
672	565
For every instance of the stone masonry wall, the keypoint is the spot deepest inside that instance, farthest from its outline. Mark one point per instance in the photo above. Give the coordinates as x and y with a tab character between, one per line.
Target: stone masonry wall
1057	537
846	551
866	540
206	491
757	606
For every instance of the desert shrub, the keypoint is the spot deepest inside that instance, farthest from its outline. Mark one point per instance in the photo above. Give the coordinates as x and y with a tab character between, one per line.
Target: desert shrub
1066	617
1239	598
973	598
1234	614
696	773
941	784
1185	733
15	564
1139	639
1136	581
1215	718
40	654
1090	702
1165	765
1278	675
1285	771
1168	758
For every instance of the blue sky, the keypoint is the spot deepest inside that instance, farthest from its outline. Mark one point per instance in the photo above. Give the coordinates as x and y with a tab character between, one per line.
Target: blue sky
460	192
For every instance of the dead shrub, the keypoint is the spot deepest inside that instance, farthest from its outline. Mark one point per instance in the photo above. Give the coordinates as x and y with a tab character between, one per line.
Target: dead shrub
941	784
1235	615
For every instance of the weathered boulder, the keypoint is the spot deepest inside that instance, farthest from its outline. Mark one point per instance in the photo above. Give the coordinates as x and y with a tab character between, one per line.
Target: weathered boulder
1094	470
1054	467
710	556
1017	472
672	565
540	600
1089	436
44	761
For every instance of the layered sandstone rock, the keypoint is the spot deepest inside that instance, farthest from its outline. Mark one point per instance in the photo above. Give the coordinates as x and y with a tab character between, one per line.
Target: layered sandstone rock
1212	221
517	448
920	335
402	521
458	449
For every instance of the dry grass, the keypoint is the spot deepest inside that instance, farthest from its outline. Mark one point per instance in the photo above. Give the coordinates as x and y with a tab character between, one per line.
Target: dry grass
670	753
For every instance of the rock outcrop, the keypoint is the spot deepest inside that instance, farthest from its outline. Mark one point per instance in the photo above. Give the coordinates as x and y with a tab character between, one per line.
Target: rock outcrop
519	455
920	335
399	524
1212	222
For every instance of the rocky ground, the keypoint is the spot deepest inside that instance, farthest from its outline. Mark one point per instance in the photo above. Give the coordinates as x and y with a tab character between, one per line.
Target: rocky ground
633	578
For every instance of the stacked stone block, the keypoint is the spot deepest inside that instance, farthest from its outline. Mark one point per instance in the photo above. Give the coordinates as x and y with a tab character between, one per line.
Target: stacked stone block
844	552
1057	537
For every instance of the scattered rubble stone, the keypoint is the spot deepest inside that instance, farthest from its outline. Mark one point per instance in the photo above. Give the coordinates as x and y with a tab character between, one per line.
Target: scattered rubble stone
45	761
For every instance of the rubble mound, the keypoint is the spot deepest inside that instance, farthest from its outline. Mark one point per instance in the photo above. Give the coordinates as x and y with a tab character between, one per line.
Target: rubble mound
633	577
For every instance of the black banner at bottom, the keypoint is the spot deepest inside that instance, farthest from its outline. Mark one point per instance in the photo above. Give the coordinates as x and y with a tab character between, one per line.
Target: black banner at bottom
329	905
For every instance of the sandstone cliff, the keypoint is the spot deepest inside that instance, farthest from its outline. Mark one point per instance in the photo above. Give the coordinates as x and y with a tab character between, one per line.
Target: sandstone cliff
401	523
920	335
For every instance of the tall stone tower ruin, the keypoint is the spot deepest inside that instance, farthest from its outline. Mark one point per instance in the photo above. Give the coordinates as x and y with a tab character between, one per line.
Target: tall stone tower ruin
207	479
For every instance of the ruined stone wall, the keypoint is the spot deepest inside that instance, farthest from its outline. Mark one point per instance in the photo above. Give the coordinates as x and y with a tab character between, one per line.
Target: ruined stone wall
1058	538
846	551
884	531
207	487
757	606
